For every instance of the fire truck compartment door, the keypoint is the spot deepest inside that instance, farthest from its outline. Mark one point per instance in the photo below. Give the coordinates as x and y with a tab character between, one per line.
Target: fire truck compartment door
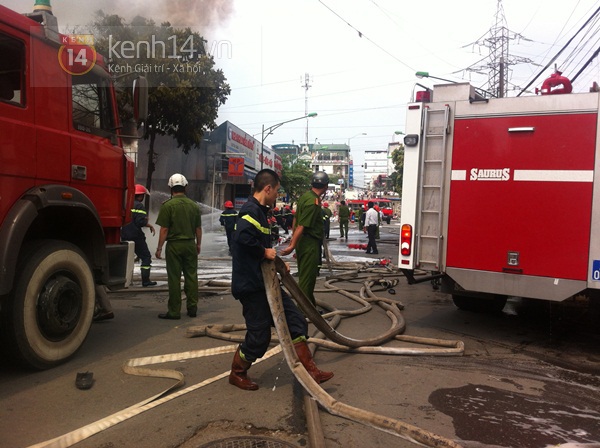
521	194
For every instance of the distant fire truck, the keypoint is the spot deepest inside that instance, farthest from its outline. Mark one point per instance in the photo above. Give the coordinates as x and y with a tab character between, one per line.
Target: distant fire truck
385	205
66	187
501	197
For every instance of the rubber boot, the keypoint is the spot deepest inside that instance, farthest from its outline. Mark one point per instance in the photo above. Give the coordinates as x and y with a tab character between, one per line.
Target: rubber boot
307	361
238	376
146	278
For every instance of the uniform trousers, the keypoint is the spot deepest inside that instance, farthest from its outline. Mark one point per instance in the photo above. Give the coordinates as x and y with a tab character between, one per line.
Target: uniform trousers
344	228
309	257
259	321
182	257
142	251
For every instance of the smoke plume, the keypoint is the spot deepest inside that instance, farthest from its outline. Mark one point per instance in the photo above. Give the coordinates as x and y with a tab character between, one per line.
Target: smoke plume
197	14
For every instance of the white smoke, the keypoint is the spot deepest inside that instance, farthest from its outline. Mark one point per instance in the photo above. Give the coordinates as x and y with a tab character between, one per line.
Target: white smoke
192	13
199	15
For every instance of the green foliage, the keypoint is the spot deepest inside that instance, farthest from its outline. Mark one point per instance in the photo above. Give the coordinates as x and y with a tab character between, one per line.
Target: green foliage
397	175
295	177
185	91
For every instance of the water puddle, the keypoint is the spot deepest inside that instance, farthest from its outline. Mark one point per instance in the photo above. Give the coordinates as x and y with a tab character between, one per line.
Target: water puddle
510	419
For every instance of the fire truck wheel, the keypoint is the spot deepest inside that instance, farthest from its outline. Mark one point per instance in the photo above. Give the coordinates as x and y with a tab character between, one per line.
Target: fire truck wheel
479	304
52	306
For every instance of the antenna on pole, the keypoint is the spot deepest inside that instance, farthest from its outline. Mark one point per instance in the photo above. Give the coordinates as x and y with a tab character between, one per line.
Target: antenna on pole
306	86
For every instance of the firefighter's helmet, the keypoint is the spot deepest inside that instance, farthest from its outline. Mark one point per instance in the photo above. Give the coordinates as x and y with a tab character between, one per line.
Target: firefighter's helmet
140	189
320	179
177	180
228	204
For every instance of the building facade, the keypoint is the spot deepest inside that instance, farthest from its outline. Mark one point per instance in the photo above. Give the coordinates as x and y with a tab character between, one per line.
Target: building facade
333	159
207	168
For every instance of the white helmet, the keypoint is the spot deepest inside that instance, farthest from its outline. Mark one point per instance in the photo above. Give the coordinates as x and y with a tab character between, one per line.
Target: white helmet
177	179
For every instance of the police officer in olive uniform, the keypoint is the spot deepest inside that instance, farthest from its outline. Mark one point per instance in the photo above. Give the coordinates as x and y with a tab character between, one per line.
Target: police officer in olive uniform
181	227
308	234
344	217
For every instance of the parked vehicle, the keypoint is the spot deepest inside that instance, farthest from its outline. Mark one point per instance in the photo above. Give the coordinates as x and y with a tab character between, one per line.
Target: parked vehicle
385	206
500	196
66	188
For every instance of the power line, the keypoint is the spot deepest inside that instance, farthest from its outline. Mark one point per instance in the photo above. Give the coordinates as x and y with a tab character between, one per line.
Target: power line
362	35
561	50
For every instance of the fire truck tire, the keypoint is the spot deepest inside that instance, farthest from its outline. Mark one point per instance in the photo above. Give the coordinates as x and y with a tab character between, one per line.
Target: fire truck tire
479	304
52	305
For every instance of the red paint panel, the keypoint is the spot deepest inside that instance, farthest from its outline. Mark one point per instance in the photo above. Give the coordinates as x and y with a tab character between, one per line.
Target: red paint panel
547	223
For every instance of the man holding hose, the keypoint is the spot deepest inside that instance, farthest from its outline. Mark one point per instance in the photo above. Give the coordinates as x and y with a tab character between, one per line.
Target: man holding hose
252	245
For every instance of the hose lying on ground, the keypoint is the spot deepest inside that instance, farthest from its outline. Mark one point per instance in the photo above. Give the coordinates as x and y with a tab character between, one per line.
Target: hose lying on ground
392	426
137	366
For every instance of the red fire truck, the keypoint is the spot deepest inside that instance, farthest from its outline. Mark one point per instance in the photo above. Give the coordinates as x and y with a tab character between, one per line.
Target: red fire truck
66	188
500	197
385	205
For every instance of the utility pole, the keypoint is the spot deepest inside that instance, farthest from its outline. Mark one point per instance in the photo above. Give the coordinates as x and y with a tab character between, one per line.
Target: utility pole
497	40
306	86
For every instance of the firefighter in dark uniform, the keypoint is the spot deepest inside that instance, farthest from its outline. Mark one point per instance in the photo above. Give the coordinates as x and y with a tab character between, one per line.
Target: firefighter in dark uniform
134	232
251	245
288	219
327	214
227	219
308	234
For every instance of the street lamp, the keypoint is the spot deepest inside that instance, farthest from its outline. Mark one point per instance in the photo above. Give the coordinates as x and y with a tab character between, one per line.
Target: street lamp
396	133
422	75
347	173
270	130
362	133
482	93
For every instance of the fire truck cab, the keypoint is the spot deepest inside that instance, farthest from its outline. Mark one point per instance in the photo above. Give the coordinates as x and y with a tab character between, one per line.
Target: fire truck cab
501	197
66	188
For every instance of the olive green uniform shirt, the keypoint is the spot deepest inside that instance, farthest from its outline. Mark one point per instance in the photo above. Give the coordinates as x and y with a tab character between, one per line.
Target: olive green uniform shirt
181	216
309	215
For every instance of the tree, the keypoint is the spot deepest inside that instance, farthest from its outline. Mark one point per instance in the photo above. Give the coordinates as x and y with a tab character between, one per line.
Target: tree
296	176
185	90
397	175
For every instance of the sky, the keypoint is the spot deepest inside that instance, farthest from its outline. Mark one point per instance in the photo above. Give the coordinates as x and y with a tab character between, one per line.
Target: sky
357	57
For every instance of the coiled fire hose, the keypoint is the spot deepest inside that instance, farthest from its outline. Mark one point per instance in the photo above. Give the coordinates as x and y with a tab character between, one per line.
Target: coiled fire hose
335	407
339	342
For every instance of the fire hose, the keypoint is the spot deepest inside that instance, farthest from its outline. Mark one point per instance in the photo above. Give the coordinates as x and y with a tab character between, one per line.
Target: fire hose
338	342
333	406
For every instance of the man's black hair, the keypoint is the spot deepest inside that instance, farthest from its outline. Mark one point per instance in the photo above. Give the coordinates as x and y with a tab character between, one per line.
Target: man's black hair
178	189
370	204
265	177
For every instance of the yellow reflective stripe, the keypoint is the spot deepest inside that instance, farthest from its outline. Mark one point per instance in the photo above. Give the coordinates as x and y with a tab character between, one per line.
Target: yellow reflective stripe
256	224
133	210
229	214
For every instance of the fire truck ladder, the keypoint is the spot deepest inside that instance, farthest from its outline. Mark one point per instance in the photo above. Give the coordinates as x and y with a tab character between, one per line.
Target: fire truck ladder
429	226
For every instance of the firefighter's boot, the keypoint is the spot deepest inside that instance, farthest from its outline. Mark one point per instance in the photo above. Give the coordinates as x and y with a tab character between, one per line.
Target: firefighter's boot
146	277
238	376
307	361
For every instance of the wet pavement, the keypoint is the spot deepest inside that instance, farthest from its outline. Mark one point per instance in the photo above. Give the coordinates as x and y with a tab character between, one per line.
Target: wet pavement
528	378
